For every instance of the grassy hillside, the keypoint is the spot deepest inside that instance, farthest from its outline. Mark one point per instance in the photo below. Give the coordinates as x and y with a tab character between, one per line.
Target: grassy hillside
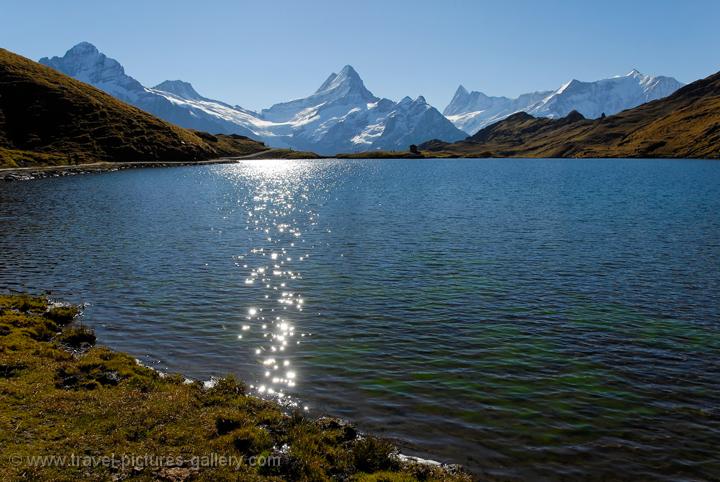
684	125
47	118
61	395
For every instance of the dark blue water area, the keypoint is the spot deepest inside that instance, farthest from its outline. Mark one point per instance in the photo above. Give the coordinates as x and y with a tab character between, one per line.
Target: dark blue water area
530	319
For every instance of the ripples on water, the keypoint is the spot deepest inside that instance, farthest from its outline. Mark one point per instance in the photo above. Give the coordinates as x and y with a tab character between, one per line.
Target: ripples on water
529	318
278	210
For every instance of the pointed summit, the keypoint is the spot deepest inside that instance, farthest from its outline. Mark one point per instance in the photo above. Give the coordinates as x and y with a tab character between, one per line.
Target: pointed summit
347	79
325	85
461	91
180	88
462	100
349	72
345	88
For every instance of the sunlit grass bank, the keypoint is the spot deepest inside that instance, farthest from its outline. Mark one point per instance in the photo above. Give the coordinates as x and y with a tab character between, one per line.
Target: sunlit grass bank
71	410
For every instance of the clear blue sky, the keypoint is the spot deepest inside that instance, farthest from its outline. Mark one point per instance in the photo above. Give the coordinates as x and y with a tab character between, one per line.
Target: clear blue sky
258	53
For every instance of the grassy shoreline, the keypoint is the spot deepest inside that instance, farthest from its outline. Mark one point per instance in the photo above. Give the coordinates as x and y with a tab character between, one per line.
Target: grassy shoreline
73	410
41	172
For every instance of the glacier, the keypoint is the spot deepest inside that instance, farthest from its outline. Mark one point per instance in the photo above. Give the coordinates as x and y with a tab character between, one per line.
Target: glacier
471	111
341	116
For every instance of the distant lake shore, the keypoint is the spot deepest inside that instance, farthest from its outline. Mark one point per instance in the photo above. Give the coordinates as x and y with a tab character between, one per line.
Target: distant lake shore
42	172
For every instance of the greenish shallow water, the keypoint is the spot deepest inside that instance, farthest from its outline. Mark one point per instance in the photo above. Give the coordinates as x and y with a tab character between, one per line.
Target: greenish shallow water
531	319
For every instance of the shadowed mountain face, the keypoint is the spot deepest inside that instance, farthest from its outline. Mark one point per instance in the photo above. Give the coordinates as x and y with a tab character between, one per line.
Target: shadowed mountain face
49	118
472	111
341	116
685	124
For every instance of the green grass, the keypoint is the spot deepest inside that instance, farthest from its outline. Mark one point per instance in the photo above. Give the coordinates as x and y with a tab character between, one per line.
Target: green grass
58	401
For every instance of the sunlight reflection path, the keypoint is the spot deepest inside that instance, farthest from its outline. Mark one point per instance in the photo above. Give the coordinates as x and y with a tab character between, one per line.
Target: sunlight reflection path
277	207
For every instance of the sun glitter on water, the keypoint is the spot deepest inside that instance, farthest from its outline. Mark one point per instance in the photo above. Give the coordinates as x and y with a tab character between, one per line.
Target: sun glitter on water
272	266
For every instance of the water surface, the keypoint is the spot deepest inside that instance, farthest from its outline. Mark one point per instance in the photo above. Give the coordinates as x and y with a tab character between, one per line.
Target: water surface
536	319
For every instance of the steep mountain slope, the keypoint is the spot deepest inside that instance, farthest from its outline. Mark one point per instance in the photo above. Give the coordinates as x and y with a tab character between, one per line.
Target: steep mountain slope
473	111
344	116
84	62
341	116
345	89
685	124
49	118
608	96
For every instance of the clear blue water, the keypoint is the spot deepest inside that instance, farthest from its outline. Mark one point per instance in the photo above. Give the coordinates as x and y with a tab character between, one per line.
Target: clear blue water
538	319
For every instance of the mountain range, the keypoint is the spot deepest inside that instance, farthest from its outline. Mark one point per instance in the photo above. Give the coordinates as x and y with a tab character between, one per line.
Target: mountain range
341	116
47	118
471	111
344	116
685	124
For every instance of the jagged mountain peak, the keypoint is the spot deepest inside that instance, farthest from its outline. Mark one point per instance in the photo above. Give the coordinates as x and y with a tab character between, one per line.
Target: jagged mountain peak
347	79
82	53
341	116
568	86
349	71
86	63
339	91
461	90
325	85
475	110
180	88
83	48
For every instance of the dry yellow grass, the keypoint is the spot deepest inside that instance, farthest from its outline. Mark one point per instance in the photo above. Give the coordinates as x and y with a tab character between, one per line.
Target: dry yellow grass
684	125
48	118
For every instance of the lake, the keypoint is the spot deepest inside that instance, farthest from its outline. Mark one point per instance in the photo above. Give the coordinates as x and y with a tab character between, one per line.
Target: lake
530	319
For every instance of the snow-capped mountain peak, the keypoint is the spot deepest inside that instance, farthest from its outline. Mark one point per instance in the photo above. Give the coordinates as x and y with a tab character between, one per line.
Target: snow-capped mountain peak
326	85
606	96
461	90
83	49
567	86
344	116
347	78
473	111
340	92
86	63
345	83
341	116
180	88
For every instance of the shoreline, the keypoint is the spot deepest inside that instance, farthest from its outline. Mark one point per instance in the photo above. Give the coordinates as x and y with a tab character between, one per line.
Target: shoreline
41	172
66	395
9	174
